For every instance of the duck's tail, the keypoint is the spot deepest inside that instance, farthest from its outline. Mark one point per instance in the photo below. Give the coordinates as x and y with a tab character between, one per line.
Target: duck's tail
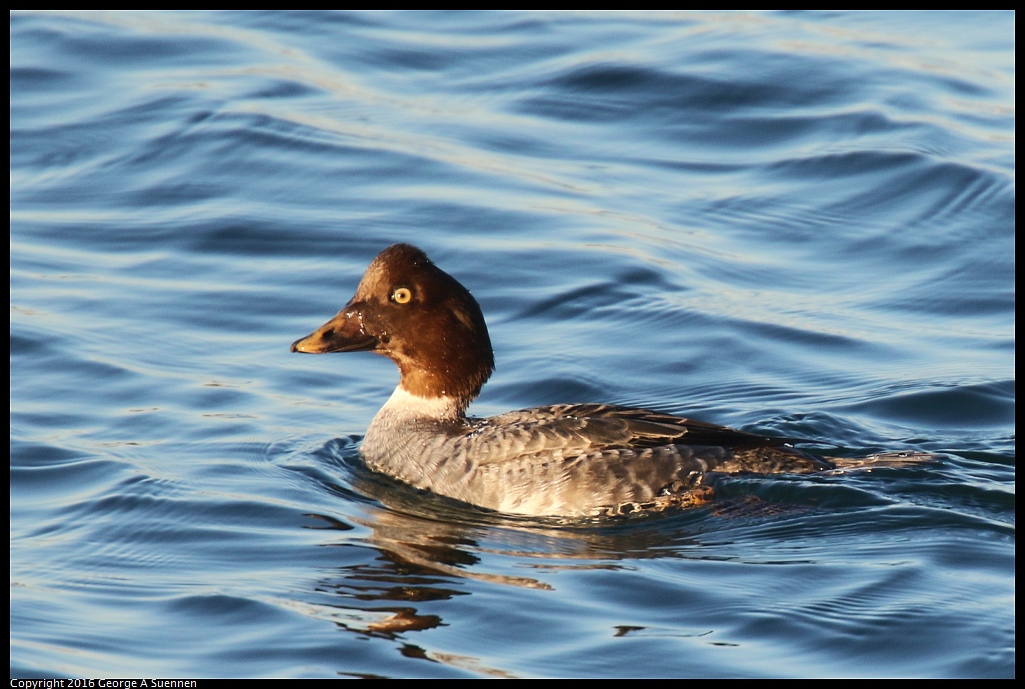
881	460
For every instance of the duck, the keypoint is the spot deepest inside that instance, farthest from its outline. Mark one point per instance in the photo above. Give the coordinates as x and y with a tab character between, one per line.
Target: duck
562	460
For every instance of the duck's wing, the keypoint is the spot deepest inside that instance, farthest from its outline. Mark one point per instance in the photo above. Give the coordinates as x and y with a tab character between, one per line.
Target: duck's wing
589	459
576	459
606	426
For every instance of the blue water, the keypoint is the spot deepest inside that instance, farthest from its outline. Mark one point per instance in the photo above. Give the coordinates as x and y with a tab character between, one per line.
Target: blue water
800	224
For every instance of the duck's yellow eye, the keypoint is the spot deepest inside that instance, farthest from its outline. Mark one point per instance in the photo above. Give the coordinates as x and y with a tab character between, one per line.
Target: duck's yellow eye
402	295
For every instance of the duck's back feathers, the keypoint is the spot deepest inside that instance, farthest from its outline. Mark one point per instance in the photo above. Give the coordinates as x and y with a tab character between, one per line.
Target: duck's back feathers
571	460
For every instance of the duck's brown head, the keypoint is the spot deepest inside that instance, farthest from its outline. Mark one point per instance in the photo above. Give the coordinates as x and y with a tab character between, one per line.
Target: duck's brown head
411	311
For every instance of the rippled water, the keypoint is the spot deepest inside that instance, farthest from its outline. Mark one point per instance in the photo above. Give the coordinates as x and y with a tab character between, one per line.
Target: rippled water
800	224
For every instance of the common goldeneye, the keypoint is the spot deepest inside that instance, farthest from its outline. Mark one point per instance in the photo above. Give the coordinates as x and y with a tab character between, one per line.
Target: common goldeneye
562	460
